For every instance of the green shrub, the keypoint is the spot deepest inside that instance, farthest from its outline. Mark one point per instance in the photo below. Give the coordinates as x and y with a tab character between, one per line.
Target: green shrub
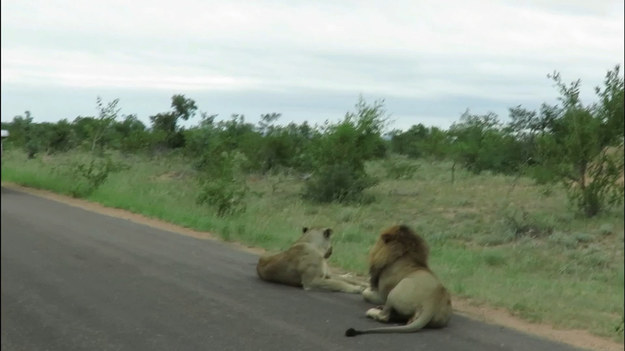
222	185
226	196
340	154
521	223
338	183
92	174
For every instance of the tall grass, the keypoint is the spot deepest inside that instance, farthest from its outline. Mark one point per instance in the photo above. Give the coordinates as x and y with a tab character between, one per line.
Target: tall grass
497	240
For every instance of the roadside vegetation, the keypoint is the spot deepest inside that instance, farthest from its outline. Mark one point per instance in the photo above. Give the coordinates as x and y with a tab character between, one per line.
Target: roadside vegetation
526	215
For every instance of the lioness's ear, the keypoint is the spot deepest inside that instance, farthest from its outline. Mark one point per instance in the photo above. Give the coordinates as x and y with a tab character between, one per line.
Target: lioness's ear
304	230
327	233
386	237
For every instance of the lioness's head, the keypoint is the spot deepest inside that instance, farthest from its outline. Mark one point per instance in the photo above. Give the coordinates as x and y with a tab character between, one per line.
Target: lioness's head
319	237
397	242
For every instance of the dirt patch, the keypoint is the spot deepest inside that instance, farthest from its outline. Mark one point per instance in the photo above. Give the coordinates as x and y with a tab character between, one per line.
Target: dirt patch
578	338
574	337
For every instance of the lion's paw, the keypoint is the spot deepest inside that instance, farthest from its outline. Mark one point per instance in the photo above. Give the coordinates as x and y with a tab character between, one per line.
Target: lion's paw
373	312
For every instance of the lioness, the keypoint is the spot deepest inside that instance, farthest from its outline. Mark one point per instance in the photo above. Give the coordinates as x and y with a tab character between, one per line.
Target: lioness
403	283
304	265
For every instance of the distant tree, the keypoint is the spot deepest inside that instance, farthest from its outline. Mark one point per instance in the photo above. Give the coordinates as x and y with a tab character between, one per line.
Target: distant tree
210	140
481	143
339	155
20	129
409	142
523	123
32	137
82	127
60	137
421	141
131	134
267	122
37	141
279	148
198	139
167	122
102	125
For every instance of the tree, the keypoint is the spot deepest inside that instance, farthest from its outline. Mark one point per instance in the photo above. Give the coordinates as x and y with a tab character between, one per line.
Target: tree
610	107
339	155
20	129
131	134
420	141
481	143
61	136
167	122
577	144
103	123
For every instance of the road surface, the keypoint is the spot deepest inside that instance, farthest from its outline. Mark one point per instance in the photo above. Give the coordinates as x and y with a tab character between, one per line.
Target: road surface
78	280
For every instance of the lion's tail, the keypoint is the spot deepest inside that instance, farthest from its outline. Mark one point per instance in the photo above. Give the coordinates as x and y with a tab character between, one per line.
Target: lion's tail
417	322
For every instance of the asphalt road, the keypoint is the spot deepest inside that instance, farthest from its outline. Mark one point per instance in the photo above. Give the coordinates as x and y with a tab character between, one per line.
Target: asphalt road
77	280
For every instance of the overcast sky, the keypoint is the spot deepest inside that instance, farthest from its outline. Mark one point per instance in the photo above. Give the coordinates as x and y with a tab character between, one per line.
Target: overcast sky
309	60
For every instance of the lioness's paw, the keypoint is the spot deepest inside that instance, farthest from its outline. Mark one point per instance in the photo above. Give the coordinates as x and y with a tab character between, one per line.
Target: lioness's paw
368	294
356	289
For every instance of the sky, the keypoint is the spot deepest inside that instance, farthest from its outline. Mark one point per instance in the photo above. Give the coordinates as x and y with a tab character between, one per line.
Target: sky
429	61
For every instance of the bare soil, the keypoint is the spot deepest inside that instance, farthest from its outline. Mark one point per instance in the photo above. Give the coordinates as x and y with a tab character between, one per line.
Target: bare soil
578	338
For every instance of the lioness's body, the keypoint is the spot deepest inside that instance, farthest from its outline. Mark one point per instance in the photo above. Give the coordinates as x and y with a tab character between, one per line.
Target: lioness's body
304	265
403	283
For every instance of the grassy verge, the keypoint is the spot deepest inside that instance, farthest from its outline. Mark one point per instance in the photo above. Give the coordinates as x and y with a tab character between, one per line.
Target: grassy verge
497	240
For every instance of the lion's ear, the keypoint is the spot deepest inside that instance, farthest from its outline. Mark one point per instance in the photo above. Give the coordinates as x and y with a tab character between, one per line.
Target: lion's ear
387	237
304	230
327	233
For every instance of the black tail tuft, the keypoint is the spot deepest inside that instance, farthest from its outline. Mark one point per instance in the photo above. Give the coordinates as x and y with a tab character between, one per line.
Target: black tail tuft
351	332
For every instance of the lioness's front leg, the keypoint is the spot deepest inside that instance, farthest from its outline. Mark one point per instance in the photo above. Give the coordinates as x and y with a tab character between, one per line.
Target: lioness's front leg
331	284
350	279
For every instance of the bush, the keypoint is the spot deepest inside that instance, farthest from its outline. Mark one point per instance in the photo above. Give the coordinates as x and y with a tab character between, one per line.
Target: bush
338	183
522	224
480	144
225	196
577	141
339	156
222	185
92	174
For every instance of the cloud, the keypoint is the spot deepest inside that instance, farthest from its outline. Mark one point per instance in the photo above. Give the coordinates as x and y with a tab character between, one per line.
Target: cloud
447	52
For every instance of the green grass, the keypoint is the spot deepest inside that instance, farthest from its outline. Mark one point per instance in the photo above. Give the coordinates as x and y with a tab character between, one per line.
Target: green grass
494	239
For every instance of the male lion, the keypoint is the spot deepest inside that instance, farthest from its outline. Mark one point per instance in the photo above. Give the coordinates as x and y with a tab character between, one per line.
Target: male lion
403	283
304	265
